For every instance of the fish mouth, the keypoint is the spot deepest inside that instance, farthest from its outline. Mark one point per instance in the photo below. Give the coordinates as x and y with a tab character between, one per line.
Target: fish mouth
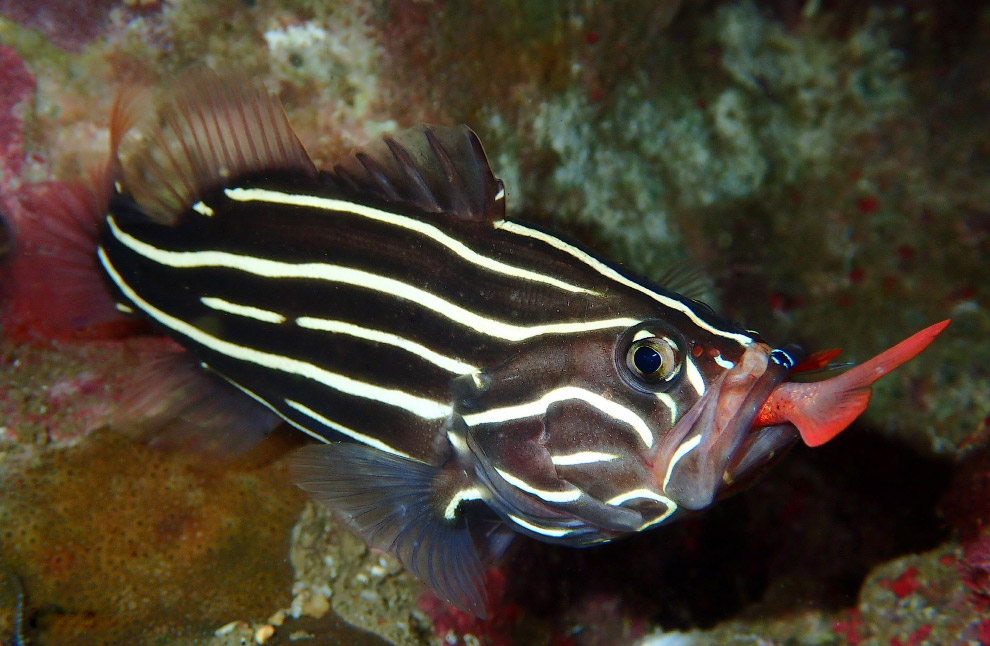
752	411
715	443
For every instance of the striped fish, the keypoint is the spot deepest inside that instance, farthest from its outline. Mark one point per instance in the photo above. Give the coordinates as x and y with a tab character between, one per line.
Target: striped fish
467	377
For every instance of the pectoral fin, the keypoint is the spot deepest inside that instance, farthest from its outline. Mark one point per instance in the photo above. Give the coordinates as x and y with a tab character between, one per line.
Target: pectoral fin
388	500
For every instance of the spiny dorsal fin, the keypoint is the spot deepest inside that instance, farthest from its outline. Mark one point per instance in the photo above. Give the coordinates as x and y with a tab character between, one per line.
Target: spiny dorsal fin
199	133
433	168
686	280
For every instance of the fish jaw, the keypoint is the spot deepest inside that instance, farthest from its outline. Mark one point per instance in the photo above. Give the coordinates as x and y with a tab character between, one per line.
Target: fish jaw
821	410
690	465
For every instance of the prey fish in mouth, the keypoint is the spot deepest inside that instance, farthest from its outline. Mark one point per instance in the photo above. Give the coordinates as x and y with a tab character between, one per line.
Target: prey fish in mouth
467	377
754	410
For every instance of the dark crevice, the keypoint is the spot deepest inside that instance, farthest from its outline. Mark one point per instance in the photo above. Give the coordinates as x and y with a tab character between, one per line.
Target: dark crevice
806	535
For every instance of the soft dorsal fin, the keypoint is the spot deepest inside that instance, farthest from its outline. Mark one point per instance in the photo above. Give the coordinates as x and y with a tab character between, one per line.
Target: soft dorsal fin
196	135
439	169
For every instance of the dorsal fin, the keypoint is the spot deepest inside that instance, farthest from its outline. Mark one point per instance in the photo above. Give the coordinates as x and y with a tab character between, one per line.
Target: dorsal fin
687	280
195	136
439	169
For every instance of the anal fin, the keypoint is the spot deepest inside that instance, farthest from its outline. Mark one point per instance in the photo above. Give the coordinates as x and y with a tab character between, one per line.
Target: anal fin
387	500
174	404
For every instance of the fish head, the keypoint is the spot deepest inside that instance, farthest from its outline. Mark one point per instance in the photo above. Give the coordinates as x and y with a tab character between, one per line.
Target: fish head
585	436
604	430
713	445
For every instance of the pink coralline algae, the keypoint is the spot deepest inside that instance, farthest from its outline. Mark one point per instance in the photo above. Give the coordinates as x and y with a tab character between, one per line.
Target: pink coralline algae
16	87
975	569
67	24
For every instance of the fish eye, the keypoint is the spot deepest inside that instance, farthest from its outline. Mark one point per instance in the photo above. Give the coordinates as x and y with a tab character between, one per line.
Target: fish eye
653	359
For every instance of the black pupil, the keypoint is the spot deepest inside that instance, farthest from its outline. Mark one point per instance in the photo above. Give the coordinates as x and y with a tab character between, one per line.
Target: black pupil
646	359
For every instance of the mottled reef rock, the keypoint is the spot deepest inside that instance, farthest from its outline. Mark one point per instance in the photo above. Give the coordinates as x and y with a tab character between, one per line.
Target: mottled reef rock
828	166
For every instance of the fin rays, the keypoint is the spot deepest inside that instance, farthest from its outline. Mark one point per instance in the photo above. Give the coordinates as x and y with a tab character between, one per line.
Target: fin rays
386	499
172	403
433	168
204	132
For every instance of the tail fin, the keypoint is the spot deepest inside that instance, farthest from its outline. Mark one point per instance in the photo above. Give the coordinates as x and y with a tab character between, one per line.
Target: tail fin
52	286
165	149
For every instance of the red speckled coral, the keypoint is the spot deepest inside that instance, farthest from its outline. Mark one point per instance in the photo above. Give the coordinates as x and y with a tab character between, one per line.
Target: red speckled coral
904	585
68	24
851	629
975	569
16	86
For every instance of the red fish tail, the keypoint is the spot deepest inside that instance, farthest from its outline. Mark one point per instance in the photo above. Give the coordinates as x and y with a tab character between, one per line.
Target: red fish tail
52	287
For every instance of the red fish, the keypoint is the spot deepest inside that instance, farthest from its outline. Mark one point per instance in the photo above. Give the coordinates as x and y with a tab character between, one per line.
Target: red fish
822	409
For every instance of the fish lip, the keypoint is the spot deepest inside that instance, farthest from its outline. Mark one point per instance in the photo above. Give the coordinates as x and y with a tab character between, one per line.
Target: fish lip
712	437
760	446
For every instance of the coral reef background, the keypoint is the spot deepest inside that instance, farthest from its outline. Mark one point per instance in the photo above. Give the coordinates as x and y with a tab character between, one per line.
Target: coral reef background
826	164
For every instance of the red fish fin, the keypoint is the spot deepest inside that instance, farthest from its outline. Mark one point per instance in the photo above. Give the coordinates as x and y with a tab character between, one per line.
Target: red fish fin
816	360
439	169
866	373
829	413
174	404
197	135
52	287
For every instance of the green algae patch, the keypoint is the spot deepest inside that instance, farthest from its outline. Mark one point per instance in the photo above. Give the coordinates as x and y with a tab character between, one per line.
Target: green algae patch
117	543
